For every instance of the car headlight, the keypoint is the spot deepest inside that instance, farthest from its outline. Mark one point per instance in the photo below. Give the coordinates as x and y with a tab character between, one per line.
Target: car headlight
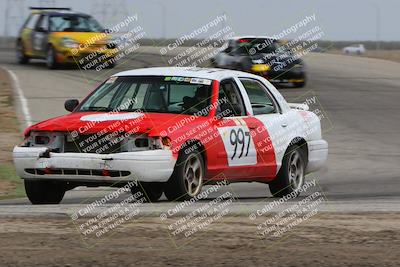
69	42
52	140
144	142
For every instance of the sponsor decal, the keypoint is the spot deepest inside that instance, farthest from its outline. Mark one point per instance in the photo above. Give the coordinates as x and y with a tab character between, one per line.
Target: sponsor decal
188	79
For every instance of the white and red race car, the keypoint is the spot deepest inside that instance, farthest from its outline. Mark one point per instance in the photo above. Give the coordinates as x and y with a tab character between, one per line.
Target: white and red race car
173	130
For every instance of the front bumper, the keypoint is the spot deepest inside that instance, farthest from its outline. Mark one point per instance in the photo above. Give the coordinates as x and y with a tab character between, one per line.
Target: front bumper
145	166
293	75
70	55
317	155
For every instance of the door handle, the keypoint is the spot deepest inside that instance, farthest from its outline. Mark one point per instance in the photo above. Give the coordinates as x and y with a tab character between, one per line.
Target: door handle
284	125
252	126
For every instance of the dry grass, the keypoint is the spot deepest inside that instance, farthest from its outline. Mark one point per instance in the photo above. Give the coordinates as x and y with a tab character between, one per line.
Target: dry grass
10	184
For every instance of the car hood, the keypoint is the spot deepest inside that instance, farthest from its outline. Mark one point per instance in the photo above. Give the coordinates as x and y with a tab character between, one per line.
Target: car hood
85	37
275	59
94	122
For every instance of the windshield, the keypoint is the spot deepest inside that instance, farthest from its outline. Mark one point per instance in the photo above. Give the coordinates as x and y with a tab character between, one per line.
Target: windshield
74	23
261	46
167	94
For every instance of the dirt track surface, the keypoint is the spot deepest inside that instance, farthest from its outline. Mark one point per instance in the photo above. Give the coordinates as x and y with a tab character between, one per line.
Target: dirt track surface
326	240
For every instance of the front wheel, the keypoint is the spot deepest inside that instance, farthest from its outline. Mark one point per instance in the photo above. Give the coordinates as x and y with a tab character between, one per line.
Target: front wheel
187	179
291	176
51	58
44	192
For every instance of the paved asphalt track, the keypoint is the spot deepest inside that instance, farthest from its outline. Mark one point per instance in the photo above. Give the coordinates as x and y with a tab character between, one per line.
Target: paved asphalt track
360	97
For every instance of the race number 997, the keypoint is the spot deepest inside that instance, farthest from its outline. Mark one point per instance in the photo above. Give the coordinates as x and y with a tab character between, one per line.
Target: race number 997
240	138
239	145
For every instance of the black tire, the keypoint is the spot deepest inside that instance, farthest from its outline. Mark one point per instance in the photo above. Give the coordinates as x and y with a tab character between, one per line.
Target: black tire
151	191
21	57
44	192
51	59
284	183
180	186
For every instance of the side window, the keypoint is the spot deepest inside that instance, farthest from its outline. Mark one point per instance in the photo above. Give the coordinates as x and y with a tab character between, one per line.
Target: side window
260	100
32	21
43	24
230	100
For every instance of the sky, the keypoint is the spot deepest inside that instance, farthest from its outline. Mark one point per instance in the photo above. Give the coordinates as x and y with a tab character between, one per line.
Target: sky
339	20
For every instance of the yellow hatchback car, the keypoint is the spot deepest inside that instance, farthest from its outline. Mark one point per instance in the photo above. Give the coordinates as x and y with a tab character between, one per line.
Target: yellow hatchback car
59	35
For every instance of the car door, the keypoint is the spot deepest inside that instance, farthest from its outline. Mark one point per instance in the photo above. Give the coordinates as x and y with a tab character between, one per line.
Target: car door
26	33
39	36
239	156
272	126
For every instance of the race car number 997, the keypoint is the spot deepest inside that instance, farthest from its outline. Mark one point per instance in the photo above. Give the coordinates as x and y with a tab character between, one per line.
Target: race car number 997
239	145
239	137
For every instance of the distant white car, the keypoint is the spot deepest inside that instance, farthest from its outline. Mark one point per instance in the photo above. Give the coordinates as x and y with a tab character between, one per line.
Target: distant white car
354	49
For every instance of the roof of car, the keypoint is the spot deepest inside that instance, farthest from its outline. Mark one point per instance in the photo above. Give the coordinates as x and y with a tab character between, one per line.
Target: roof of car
57	12
252	37
195	72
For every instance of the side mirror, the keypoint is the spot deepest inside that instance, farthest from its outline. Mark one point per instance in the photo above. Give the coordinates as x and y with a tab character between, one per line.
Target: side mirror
228	110
71	104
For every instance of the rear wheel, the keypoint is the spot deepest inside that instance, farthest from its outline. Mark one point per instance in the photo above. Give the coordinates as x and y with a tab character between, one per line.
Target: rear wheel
291	176
44	192
151	191
187	179
21	57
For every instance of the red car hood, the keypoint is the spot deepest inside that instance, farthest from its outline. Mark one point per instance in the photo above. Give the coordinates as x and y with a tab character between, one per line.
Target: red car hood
94	122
